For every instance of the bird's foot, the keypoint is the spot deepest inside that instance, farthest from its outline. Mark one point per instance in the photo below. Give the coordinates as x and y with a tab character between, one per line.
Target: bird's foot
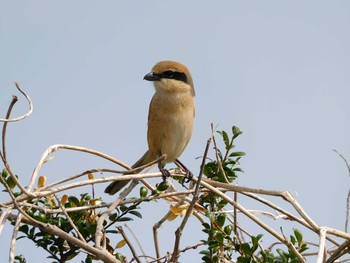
187	178
165	173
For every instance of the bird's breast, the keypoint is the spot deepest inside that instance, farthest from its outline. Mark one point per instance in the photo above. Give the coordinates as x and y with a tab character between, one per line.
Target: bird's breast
170	124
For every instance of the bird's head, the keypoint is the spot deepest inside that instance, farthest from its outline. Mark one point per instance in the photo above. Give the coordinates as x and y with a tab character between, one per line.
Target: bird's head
171	77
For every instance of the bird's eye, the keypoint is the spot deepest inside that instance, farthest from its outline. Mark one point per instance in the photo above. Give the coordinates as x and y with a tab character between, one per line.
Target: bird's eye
168	74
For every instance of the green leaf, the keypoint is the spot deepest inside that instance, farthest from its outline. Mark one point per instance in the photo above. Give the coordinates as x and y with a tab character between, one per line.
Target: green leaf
112	231
243	259
205	252
136	213
20	259
88	259
234	154
259	236
123	219
210	169
221	220
206	225
206	259
298	235
255	243
246	249
236	132
219	154
74	201
268	257
213	244
228	230
113	216
123	208
292	239
225	138
4	173
31	232
219	237
281	253
24	229
303	248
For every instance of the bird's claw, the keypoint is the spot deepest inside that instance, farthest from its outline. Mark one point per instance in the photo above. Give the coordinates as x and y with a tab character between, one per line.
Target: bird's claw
187	178
165	173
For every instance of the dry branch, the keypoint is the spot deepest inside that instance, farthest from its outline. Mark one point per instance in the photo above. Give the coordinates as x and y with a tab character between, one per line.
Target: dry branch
17	207
24	115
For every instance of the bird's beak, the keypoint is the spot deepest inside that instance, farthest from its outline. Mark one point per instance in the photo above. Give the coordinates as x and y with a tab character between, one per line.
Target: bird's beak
151	77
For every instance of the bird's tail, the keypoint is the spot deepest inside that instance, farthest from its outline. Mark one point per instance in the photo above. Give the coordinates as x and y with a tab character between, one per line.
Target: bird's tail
115	186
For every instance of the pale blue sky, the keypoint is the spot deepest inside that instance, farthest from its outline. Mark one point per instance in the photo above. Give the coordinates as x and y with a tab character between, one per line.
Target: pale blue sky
277	69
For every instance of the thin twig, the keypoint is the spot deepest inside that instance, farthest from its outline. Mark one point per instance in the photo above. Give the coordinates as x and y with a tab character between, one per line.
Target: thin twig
347	211
178	232
3	153
121	231
30	107
340	251
346	162
104	215
181	251
14	239
4	127
69	219
155	228
137	241
348	197
235	197
217	156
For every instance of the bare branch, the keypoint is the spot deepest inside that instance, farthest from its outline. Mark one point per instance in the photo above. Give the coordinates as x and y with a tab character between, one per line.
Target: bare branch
346	162
121	231
25	115
13	102
4	216
321	249
178	232
99	227
348	197
3	153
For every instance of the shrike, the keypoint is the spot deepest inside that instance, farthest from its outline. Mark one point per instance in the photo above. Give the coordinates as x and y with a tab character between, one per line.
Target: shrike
170	117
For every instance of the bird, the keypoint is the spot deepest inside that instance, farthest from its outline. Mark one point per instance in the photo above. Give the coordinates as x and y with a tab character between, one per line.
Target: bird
170	118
